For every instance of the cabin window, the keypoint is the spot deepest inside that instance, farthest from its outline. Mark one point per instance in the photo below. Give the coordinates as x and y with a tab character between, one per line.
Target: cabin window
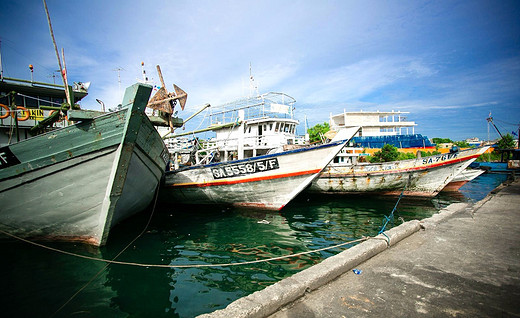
277	127
271	126
281	127
45	101
18	100
56	101
30	102
249	129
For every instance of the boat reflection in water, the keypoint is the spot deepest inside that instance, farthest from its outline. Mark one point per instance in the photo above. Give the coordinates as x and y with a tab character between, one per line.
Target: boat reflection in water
197	235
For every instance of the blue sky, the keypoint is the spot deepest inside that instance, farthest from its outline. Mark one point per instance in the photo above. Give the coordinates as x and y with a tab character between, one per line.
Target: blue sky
449	63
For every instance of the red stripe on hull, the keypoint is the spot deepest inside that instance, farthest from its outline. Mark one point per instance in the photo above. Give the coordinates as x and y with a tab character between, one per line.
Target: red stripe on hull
454	161
271	177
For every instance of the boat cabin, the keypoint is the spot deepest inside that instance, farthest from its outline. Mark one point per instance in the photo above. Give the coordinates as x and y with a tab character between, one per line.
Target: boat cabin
247	128
34	102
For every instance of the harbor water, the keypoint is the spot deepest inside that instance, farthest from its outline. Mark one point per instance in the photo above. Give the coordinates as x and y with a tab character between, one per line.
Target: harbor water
47	283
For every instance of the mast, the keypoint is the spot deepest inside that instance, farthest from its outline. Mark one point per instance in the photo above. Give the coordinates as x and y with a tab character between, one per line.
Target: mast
62	70
490	120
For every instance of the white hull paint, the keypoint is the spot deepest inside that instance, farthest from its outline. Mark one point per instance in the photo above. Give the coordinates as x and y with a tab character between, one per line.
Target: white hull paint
421	177
462	178
266	182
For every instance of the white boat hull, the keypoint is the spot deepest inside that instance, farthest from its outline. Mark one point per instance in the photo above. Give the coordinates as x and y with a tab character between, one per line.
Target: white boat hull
417	177
462	178
264	182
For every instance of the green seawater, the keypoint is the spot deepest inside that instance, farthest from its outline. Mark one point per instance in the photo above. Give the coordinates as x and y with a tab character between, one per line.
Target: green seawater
42	283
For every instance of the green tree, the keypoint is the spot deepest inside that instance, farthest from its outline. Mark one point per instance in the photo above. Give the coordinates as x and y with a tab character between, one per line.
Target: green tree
462	144
441	140
316	131
406	156
386	154
506	142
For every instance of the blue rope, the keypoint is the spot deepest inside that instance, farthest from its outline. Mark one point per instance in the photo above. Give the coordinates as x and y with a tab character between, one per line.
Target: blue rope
391	216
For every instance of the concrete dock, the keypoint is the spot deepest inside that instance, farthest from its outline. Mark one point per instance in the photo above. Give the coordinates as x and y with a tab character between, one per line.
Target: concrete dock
462	262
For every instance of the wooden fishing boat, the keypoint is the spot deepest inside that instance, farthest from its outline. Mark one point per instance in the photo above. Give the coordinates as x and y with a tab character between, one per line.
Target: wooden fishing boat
419	177
462	178
77	182
265	182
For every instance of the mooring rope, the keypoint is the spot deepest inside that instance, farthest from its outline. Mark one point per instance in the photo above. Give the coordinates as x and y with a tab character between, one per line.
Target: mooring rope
113	261
107	263
390	217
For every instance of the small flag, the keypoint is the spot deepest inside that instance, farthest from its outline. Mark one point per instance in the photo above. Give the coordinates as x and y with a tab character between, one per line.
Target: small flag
64	73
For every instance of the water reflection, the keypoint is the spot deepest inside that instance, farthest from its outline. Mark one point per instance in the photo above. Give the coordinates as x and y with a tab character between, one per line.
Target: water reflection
184	235
201	236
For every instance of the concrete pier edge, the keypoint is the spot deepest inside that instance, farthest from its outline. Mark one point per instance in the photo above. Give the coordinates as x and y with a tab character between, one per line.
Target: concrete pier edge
267	301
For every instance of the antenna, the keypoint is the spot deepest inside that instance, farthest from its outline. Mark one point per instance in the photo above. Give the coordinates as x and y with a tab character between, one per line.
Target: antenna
53	75
252	86
118	70
145	78
1	66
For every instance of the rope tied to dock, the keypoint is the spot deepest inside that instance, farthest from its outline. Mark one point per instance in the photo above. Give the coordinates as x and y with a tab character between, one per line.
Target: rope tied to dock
113	261
387	220
390	217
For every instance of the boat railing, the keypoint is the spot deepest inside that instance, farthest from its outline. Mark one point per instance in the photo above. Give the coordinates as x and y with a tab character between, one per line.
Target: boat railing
253	142
207	155
269	105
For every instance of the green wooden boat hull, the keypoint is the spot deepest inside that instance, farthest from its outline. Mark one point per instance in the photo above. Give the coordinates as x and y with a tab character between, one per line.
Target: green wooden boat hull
76	183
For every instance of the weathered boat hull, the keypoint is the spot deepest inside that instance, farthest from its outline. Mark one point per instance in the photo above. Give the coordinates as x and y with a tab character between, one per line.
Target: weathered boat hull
76	183
265	182
417	177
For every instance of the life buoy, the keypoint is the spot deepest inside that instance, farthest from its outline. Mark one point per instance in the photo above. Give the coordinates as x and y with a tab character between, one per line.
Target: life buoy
7	111
27	114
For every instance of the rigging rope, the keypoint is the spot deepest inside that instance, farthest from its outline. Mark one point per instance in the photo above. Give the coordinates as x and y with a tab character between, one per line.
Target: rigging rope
38	99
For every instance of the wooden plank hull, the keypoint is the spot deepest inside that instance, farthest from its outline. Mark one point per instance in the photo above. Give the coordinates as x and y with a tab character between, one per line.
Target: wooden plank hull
76	183
421	177
265	182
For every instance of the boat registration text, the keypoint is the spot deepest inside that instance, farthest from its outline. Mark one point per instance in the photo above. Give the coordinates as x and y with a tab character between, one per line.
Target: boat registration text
7	158
240	169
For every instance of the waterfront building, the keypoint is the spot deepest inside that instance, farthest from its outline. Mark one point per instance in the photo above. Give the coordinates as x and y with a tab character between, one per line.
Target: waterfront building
379	128
374	123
